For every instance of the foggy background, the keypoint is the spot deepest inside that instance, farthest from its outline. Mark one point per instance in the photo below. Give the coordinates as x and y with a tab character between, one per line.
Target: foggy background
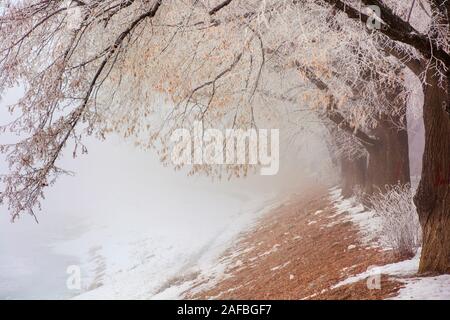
123	211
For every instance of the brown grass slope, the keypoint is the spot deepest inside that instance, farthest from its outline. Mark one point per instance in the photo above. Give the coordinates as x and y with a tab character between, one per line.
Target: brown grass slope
299	251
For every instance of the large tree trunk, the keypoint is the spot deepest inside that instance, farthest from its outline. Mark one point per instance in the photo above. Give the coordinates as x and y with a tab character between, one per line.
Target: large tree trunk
353	173
433	195
388	161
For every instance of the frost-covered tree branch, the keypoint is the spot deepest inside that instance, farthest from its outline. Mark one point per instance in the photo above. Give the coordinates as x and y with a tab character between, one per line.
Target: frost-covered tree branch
146	67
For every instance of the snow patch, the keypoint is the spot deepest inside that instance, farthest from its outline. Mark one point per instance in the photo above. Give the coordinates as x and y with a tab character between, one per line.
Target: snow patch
403	268
369	224
280	266
432	288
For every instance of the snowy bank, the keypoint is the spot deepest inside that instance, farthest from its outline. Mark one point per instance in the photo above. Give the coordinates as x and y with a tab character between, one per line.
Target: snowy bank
148	259
415	288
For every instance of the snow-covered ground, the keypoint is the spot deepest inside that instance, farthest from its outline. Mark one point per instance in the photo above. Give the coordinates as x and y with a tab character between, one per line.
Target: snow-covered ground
431	288
141	261
422	288
369	224
134	228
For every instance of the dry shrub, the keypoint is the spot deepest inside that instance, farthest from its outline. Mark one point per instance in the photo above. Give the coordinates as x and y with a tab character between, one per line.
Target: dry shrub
400	223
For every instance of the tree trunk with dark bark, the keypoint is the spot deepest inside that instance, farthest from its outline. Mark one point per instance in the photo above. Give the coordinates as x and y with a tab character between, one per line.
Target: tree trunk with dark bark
433	195
353	173
388	160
